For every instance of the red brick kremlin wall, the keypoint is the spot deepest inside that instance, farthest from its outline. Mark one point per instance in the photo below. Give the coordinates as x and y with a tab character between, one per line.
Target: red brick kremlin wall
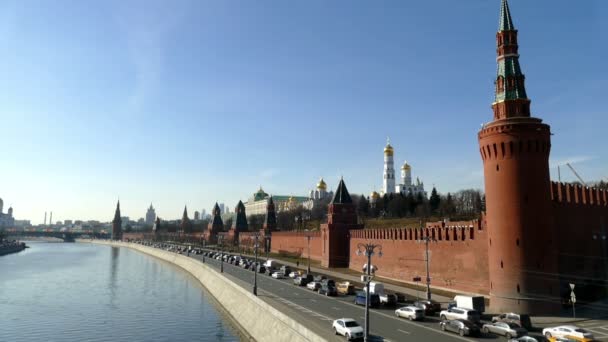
458	254
297	243
581	223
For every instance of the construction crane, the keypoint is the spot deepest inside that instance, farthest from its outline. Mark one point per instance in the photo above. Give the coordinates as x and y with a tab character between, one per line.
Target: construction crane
576	174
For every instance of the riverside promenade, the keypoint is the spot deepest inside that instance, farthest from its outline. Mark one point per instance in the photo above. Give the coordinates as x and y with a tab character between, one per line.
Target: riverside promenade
13	246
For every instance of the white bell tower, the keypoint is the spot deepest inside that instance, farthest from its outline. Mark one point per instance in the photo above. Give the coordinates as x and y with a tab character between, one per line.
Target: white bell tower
388	182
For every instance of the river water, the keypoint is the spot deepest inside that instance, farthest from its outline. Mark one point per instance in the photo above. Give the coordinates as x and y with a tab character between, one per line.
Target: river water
84	292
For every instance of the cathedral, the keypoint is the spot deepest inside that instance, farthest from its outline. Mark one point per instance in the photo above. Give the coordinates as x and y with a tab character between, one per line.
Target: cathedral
6	220
407	186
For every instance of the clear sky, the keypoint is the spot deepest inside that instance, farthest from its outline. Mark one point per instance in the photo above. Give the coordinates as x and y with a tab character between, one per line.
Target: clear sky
192	102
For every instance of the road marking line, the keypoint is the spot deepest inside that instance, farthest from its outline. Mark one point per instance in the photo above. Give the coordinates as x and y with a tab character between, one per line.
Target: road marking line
403	331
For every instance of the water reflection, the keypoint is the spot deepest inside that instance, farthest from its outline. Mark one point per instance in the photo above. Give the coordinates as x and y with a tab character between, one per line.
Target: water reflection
58	292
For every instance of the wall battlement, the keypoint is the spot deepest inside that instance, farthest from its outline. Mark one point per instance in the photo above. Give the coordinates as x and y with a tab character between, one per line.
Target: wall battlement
566	193
438	231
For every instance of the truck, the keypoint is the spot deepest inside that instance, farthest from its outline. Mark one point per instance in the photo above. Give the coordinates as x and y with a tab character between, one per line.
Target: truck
476	303
385	298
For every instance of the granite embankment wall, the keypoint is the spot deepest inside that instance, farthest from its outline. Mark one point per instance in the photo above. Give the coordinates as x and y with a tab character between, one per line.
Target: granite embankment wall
258	319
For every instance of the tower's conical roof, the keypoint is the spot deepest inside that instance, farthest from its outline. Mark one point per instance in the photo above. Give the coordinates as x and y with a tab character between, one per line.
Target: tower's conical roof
505	23
342	196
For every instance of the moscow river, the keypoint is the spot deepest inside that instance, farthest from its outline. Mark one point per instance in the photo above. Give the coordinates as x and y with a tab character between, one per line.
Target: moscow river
85	292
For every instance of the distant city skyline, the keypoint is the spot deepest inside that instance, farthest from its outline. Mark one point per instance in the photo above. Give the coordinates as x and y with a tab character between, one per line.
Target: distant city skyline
193	103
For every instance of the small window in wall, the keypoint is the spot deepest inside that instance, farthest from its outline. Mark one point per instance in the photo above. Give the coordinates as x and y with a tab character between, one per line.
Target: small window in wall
497	167
501	264
517	242
518	289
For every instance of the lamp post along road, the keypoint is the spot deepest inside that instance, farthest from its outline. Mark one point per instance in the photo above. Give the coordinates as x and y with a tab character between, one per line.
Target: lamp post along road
255	267
221	241
308	269
428	277
368	249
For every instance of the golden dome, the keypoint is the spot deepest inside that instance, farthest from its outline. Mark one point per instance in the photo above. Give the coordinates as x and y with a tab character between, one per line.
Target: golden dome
406	167
374	195
388	150
321	185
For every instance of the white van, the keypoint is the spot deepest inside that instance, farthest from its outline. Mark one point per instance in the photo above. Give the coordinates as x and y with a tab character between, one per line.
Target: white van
270	263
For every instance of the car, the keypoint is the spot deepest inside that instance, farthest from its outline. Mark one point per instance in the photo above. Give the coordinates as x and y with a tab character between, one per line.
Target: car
329	282
523	339
302	280
460	326
388	299
313	285
294	274
504	329
410	312
345	288
277	275
430	307
570	339
319	278
510	317
567	330
374	299
285	270
261	269
400	297
460	313
349	328
270	270
328	290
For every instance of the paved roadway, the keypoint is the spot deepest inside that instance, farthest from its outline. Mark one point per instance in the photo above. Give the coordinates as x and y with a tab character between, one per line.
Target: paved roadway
317	311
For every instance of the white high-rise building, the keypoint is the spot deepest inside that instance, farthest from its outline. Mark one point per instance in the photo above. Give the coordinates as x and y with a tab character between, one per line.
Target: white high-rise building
388	182
150	215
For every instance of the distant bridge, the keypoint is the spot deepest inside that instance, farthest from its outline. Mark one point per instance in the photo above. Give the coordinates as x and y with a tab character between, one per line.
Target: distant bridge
65	236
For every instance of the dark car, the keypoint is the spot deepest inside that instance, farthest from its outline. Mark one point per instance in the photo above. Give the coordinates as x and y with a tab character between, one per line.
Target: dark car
430	307
329	282
261	269
328	290
460	326
400	297
303	280
374	299
270	270
285	270
319	278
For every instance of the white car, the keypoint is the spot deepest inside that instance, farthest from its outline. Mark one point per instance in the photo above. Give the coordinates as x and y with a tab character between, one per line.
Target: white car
313	285
524	339
293	274
277	275
410	312
567	330
460	313
348	327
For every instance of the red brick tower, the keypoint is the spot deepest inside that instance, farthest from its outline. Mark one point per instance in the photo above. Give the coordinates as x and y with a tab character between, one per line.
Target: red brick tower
215	226
341	217
515	149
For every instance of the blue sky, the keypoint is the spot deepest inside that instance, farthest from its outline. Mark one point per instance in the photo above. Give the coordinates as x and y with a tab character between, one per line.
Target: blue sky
192	102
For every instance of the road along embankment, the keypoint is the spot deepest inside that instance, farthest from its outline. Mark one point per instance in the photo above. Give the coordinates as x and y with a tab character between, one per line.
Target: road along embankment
260	321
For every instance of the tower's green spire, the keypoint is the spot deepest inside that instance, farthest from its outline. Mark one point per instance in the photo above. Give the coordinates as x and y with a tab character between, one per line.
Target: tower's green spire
506	23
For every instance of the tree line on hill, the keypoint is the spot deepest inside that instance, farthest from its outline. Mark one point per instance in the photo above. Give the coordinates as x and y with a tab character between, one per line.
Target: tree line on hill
464	204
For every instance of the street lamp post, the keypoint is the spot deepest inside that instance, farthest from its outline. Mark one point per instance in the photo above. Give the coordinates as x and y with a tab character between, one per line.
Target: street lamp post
256	237
368	249
221	241
204	250
308	239
426	240
267	244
